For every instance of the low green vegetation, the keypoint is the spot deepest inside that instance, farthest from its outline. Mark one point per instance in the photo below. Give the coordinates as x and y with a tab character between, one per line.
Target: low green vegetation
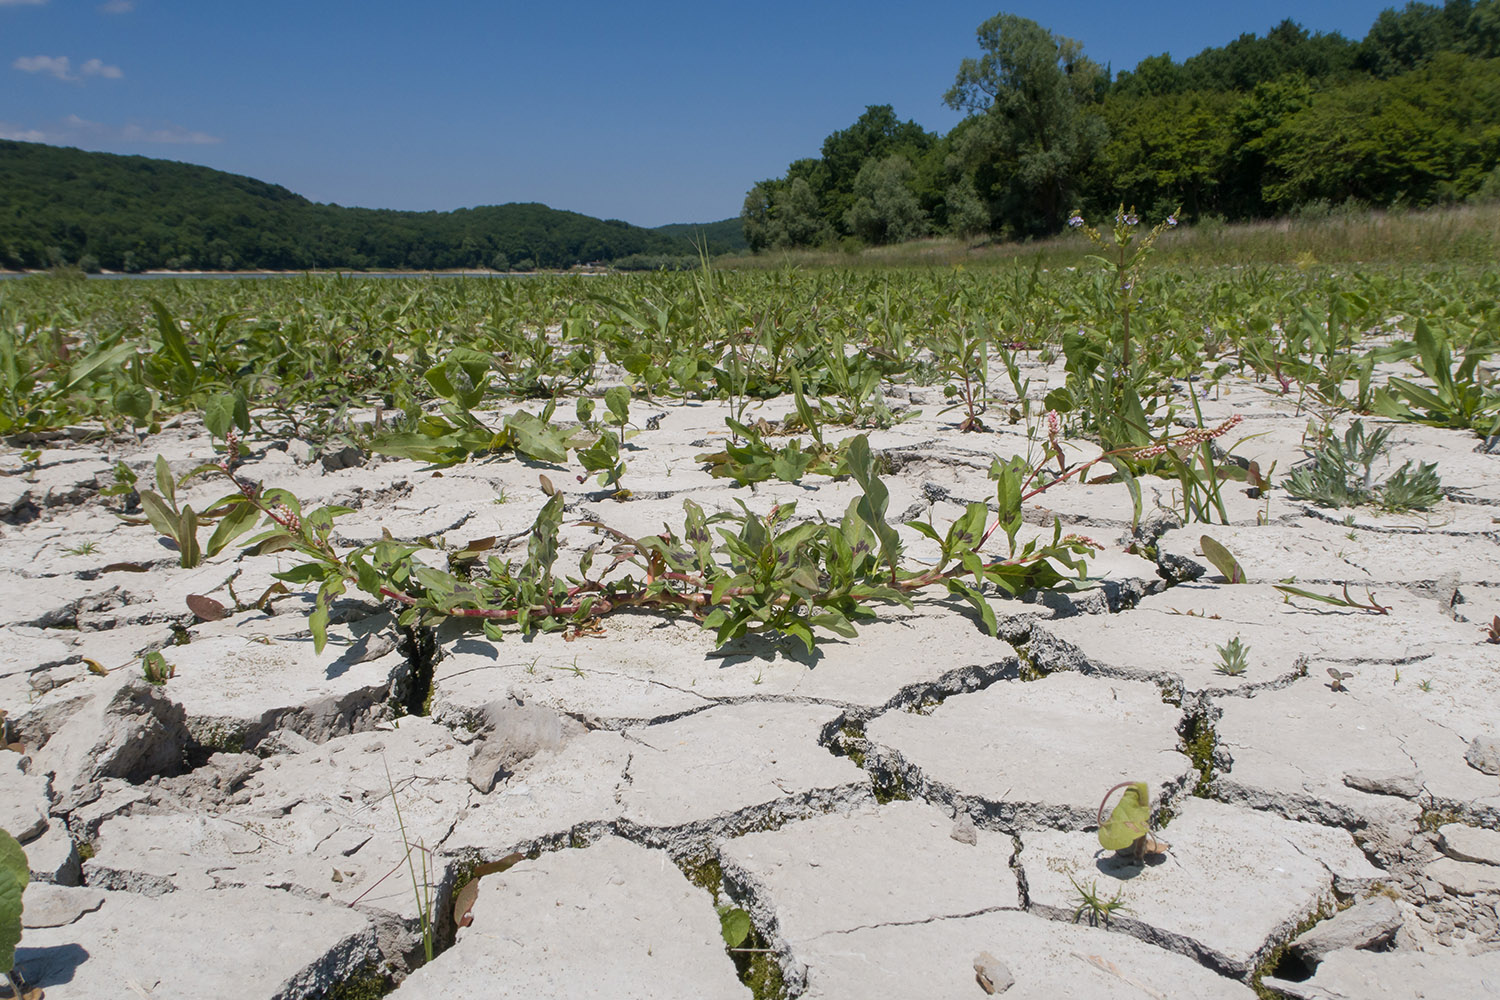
448	372
1340	473
15	872
1234	658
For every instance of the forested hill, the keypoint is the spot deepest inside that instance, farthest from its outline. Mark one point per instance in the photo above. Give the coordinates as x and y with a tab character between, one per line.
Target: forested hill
726	236
130	213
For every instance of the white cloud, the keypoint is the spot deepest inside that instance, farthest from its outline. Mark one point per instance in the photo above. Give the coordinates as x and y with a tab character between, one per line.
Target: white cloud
114	6
58	66
61	67
16	133
75	131
97	67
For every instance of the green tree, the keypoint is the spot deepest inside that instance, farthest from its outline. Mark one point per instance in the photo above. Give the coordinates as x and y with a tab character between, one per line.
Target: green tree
797	210
876	135
762	231
1166	152
1428	136
778	214
885	209
1035	94
966	212
1481	35
1401	41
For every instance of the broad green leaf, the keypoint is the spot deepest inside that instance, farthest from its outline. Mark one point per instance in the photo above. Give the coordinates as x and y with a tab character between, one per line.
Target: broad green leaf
106	357
1437	363
223	411
133	401
240	519
735	926
1130	819
162	517
15	872
798	629
305	573
1223	560
617	401
536	438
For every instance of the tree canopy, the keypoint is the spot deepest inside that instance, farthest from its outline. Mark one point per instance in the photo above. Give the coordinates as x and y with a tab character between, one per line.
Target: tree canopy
1265	124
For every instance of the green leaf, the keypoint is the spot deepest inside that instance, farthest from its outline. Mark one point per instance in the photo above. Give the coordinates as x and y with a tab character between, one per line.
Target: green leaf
735	926
795	627
218	414
162	517
240	519
1132	484
317	622
536	438
617	401
15	872
305	573
976	599
1437	363
1130	819
133	401
804	411
164	480
1224	561
104	357
174	342
791	463
187	539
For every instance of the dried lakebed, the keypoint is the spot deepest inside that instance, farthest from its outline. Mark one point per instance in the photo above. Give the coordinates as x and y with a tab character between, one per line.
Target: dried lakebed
887	810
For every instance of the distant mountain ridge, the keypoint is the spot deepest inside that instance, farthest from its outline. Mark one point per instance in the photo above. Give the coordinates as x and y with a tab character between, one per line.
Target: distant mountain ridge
61	205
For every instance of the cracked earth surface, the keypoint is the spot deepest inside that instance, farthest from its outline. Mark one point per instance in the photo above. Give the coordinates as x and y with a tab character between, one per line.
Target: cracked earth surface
886	810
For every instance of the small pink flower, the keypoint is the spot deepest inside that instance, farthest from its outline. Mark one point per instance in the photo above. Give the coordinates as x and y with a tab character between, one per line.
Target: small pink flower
284	516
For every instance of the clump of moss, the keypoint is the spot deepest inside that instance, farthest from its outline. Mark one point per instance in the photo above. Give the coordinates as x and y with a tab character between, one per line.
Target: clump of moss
1271	964
890	787
850	742
1199	743
1029	670
760	971
369	983
705	873
1433	819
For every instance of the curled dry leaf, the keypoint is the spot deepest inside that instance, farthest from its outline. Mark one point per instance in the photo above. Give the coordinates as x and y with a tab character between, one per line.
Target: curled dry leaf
464	897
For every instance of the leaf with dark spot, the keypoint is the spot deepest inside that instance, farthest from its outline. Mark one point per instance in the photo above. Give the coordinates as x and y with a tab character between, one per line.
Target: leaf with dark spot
206	608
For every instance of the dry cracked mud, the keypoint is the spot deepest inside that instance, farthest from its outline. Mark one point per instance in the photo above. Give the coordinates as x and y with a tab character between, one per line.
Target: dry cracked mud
886	809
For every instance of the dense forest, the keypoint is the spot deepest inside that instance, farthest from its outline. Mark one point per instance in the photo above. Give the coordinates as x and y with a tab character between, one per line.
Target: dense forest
132	213
1287	123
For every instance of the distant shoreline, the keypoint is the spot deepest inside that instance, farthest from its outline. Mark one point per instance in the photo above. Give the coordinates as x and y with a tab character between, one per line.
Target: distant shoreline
317	272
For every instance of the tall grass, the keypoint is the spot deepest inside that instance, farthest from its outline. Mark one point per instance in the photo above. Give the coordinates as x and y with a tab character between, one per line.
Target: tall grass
1319	235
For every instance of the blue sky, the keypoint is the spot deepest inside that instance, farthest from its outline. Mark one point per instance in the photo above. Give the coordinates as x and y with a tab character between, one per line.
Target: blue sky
651	111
